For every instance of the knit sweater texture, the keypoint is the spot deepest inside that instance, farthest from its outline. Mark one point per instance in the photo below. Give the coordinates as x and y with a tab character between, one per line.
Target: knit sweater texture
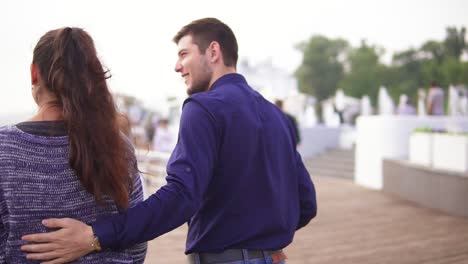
36	183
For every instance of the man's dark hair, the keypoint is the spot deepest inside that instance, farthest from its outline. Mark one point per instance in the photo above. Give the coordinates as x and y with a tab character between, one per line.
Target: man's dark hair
206	30
279	103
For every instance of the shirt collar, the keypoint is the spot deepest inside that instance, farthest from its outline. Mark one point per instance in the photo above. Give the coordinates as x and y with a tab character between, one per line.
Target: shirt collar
228	78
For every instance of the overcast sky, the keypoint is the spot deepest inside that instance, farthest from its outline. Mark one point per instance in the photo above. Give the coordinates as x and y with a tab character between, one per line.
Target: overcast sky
133	38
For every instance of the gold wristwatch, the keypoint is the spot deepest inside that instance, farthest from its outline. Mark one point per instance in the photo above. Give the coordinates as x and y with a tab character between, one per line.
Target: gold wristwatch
96	245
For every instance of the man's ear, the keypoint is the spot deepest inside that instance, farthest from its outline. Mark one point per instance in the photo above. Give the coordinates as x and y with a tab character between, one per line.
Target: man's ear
214	51
34	74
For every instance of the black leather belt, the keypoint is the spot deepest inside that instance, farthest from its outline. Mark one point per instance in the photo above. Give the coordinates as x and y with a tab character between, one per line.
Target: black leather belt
228	255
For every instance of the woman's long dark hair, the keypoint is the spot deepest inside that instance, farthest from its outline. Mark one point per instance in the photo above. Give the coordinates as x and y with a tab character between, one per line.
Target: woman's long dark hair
69	67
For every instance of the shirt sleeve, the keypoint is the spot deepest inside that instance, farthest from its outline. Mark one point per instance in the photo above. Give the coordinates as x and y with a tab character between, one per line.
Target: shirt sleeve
307	198
189	171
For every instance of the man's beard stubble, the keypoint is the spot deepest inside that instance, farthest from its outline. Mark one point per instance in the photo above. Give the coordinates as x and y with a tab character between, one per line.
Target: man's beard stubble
203	83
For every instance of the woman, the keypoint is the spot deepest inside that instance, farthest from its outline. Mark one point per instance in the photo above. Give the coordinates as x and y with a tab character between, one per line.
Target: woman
70	159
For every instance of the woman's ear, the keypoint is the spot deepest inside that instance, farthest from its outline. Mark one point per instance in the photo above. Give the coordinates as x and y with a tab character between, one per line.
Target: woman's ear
34	74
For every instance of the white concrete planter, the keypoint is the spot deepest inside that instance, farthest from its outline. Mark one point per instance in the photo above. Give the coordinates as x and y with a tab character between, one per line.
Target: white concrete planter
421	148
387	137
450	152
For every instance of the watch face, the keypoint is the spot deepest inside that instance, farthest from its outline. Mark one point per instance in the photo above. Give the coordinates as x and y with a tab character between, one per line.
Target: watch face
96	245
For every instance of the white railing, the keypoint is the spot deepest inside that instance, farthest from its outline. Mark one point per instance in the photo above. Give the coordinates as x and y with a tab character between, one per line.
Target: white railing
152	165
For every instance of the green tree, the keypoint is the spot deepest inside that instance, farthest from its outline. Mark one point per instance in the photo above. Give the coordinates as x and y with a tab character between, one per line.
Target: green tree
405	57
365	72
404	75
465	73
330	63
321	67
431	71
453	71
433	50
454	42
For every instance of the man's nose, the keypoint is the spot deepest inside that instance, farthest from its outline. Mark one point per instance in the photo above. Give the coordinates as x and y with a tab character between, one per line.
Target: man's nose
178	67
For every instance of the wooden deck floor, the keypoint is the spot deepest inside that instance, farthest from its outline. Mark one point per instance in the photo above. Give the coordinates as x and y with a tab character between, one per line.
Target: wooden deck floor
357	225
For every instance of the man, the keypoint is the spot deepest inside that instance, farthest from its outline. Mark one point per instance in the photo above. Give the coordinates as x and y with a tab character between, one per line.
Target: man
234	174
292	120
435	100
404	106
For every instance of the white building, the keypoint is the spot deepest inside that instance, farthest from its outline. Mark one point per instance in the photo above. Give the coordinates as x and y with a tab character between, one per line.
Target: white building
275	83
272	82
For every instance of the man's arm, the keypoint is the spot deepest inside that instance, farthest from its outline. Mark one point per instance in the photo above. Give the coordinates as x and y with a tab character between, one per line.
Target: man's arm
307	197
189	173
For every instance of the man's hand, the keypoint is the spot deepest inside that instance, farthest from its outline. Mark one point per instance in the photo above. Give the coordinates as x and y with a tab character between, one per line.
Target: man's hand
74	239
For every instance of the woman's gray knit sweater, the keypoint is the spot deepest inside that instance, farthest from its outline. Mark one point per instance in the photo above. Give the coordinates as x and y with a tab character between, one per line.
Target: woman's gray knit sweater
36	182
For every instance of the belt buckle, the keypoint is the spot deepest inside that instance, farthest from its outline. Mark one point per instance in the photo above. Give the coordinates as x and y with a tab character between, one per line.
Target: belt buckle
278	256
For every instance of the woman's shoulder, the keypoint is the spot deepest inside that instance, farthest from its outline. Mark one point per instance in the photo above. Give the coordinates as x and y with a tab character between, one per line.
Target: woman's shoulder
7	129
8	133
10	143
25	137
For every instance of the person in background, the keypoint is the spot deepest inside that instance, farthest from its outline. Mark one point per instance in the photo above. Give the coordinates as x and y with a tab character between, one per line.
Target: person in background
435	100
70	159
124	124
292	120
163	138
235	175
151	123
405	107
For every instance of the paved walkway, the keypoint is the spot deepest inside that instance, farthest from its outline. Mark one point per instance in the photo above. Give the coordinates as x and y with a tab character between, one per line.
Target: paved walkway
357	225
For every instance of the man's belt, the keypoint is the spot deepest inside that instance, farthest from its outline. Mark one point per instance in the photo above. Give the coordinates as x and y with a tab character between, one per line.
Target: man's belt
230	255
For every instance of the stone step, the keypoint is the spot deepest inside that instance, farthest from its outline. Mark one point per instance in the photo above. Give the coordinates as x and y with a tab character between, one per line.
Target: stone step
334	163
341	152
330	167
330	160
331	173
337	155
